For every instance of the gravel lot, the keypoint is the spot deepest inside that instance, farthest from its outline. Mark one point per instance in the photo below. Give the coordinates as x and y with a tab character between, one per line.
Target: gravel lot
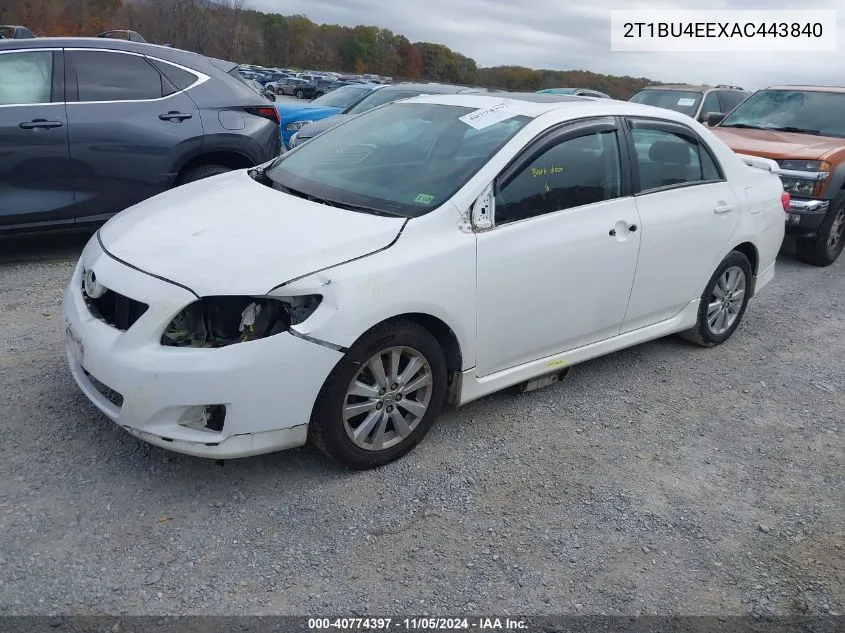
665	479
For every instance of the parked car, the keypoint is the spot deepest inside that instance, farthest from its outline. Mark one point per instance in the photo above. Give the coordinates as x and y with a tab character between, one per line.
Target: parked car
123	34
578	92
10	32
694	101
288	86
382	94
803	129
294	116
91	126
319	309
323	86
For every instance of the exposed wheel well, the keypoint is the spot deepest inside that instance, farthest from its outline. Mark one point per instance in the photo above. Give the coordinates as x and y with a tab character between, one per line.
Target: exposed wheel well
750	251
232	160
442	332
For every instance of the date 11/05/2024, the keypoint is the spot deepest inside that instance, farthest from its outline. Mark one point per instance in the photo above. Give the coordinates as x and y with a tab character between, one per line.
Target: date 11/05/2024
416	624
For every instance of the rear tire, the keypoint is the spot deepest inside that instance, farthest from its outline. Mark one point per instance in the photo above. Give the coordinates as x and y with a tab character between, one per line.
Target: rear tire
826	246
723	302
201	172
355	416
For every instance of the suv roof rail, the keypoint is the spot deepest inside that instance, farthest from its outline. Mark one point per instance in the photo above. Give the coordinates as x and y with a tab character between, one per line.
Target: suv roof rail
121	34
730	86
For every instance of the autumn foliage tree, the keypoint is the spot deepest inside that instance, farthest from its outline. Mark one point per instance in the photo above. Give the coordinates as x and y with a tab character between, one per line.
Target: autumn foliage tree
225	29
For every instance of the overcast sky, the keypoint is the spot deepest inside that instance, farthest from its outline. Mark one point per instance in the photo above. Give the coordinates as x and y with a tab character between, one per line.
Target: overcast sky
574	34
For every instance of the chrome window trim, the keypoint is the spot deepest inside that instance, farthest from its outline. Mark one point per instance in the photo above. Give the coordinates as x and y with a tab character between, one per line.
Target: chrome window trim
30	50
201	77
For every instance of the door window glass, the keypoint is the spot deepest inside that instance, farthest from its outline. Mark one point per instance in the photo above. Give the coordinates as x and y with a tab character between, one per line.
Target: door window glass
575	172
26	78
106	76
665	159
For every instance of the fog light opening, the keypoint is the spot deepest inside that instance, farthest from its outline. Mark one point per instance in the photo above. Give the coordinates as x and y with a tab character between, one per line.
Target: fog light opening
208	418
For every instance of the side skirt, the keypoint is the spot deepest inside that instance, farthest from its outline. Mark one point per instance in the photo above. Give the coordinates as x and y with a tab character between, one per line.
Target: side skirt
467	386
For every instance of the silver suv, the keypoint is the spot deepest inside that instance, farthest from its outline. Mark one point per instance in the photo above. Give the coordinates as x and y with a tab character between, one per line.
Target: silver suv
694	101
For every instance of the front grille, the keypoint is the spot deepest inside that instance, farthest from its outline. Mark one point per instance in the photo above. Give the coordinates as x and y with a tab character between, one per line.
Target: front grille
115	309
107	392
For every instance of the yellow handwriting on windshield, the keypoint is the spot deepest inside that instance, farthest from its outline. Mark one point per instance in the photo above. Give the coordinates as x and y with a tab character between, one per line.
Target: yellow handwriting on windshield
544	171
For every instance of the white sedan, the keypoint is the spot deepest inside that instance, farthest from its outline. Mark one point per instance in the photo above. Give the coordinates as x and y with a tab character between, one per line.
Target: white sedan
432	250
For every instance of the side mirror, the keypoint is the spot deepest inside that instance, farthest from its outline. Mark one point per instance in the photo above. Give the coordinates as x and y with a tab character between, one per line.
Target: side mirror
483	210
713	118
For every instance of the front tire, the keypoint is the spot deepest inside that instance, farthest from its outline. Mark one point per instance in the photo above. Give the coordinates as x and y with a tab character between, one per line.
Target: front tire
382	398
723	302
299	94
826	246
280	91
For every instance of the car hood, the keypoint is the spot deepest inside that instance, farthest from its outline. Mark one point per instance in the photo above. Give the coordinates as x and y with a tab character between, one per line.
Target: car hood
778	145
296	112
232	235
318	127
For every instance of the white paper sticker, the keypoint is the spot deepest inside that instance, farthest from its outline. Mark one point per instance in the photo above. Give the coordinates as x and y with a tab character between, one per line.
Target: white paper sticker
686	101
485	117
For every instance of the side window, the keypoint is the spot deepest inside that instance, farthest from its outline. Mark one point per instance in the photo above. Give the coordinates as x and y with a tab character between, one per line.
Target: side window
26	78
578	171
711	104
181	79
103	76
731	99
665	159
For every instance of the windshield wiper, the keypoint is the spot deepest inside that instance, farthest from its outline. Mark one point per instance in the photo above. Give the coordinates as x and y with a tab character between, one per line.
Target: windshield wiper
796	130
335	203
745	126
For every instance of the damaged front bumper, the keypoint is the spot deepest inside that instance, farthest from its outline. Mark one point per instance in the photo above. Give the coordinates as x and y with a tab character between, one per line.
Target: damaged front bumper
244	399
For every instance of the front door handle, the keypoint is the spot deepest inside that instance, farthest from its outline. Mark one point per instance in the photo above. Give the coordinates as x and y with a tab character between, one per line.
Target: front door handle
39	123
631	229
174	116
723	207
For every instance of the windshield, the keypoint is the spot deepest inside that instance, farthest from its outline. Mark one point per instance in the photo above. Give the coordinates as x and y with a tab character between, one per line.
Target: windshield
821	113
380	97
683	101
341	97
403	159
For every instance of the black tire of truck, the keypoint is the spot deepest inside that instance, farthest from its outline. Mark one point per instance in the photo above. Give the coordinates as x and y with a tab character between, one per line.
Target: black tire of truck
825	247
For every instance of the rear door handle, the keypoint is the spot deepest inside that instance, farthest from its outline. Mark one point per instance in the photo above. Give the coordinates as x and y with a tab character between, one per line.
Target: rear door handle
39	123
723	207
174	116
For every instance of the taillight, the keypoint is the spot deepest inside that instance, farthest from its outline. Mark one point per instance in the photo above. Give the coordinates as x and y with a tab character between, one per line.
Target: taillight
267	112
784	200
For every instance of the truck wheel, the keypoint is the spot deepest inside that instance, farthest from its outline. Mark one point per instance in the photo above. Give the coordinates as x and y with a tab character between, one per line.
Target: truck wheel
825	247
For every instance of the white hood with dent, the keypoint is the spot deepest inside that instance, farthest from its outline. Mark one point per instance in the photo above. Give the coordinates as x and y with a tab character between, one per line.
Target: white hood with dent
231	235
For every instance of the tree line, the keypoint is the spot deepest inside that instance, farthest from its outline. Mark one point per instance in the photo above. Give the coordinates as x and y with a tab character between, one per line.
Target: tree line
227	30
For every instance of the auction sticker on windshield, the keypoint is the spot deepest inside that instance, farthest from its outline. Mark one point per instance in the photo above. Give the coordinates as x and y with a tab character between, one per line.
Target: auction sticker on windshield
485	117
686	102
424	198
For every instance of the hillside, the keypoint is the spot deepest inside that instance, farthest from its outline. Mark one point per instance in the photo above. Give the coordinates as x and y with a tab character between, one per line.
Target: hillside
222	28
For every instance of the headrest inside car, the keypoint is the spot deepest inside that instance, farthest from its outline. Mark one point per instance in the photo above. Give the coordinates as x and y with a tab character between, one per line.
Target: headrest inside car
670	152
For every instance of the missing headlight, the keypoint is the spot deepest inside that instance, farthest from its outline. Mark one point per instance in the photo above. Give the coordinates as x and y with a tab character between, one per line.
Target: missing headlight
220	321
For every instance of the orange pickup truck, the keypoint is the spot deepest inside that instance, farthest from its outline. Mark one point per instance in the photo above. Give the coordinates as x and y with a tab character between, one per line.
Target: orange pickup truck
803	129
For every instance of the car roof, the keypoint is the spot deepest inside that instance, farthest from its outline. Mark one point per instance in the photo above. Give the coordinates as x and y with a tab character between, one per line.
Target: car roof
431	88
167	53
533	104
692	87
808	88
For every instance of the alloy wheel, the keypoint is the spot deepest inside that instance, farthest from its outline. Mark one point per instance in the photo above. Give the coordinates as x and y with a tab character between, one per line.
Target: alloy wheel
387	398
837	231
726	300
